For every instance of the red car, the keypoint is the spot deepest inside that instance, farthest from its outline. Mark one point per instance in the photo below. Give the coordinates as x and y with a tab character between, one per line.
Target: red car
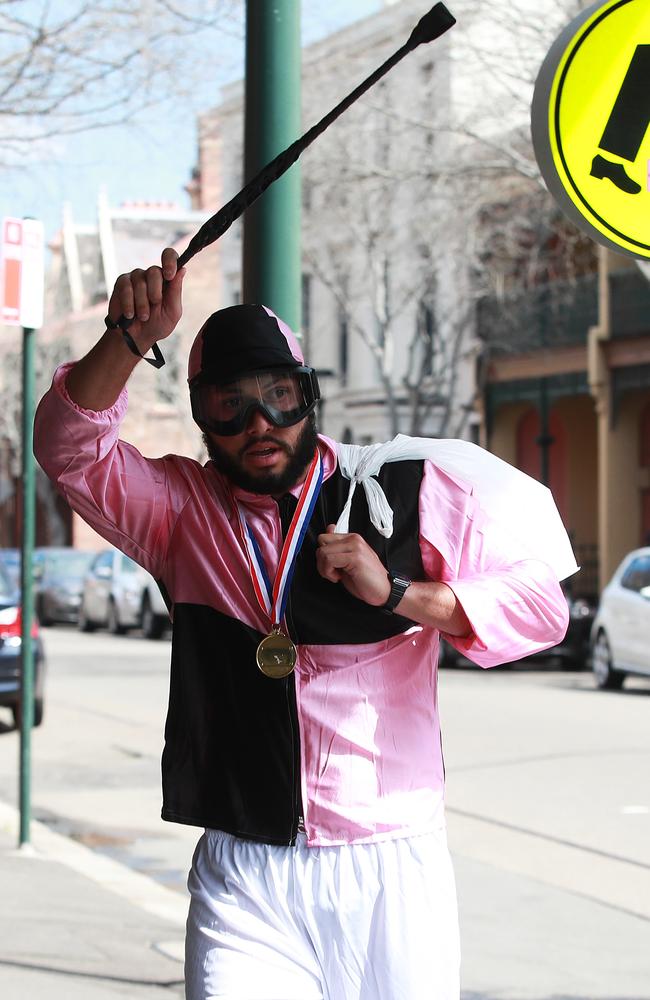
10	650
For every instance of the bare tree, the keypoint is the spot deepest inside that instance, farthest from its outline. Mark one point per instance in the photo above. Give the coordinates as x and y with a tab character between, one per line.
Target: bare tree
48	356
435	205
71	67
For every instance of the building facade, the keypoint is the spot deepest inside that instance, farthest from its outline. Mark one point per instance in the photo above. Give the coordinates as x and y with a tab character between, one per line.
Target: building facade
441	295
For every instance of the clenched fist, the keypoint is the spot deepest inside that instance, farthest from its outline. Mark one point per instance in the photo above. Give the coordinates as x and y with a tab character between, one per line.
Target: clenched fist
348	559
151	298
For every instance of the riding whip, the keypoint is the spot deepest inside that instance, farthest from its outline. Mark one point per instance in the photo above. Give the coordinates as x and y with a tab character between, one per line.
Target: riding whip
431	26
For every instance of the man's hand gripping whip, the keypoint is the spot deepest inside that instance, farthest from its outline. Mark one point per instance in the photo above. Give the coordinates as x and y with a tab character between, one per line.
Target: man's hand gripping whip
431	26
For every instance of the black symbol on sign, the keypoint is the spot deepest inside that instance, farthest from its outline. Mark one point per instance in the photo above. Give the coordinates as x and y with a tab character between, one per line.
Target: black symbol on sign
627	124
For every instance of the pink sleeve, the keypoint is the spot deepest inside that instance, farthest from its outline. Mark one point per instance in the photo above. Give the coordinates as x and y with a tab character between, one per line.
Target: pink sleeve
515	604
129	500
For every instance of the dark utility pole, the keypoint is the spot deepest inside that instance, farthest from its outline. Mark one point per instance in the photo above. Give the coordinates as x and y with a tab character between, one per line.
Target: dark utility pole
271	265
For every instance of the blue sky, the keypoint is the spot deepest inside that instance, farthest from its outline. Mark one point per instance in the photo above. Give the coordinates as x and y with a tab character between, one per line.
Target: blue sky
145	162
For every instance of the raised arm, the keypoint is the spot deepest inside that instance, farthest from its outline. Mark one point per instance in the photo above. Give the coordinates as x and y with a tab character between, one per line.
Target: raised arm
130	500
153	300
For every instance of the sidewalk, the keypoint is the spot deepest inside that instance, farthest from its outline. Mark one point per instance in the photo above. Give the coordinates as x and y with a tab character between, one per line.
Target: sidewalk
76	925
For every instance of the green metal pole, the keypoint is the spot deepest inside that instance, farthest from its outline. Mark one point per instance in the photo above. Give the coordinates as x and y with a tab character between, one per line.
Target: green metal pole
271	264
27	652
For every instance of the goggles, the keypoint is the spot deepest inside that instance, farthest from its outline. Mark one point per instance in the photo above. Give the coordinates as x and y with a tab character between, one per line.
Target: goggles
283	397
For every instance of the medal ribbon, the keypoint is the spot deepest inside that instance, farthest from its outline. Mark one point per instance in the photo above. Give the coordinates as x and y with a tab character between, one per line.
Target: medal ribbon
273	598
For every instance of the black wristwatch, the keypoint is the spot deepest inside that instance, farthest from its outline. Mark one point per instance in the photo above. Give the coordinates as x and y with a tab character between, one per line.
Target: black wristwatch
398	587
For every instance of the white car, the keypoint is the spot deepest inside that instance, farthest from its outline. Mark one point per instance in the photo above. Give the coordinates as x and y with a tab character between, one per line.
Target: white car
620	635
119	595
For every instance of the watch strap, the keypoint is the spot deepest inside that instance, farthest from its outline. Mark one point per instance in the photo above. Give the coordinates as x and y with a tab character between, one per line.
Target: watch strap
398	586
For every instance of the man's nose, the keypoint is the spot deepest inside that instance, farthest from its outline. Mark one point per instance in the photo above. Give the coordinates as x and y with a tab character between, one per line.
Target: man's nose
258	422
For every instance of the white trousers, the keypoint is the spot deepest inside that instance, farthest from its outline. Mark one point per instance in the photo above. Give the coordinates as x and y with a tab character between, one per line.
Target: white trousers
361	922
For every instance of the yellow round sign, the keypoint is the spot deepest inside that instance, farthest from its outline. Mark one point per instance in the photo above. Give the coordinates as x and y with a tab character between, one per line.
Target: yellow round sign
590	118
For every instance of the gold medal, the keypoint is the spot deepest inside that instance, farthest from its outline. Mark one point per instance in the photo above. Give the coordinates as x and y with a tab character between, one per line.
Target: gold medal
276	655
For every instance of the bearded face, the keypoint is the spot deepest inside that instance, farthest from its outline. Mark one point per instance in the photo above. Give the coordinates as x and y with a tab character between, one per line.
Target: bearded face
265	459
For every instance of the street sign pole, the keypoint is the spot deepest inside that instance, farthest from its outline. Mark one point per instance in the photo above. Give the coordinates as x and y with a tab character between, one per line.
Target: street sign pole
28	524
22	283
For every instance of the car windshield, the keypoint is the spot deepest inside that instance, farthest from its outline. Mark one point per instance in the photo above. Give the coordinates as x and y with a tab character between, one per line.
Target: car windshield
69	565
8	587
10	565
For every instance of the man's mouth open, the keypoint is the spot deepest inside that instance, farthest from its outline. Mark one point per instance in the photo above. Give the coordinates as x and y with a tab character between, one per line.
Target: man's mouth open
262	455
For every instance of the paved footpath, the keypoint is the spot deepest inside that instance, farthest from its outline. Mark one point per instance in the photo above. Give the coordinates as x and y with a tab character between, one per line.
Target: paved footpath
76	925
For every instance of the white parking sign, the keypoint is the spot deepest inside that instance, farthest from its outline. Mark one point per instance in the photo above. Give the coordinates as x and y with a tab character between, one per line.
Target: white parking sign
23	273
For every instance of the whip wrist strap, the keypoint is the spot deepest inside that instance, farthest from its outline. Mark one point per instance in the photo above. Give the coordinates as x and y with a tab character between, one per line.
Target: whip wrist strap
157	361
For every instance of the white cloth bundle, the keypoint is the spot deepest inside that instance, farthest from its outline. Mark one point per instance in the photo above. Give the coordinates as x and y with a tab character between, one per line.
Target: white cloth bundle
519	503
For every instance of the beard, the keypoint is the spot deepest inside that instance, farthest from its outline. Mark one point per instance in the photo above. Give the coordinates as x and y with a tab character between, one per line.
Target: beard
269	483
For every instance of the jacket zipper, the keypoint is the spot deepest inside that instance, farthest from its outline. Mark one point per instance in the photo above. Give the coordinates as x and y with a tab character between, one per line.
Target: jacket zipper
297	821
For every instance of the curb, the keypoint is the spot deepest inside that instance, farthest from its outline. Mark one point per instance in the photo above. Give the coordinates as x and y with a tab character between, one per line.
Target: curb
138	889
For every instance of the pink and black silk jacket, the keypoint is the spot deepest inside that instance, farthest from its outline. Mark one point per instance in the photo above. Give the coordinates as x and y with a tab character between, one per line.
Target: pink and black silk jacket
349	745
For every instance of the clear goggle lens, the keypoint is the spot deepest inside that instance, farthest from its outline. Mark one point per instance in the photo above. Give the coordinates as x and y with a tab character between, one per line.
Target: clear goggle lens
284	397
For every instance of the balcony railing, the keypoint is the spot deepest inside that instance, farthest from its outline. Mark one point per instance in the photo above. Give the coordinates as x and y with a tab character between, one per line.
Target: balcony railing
552	315
629	304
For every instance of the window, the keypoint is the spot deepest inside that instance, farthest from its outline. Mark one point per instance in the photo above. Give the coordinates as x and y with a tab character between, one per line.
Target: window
637	576
305	289
426	333
343	346
103	565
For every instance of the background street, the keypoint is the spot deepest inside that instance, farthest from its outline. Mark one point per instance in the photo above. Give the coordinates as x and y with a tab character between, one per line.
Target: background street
548	807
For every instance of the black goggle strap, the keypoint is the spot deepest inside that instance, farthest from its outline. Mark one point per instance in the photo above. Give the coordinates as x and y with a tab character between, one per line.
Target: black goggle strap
157	361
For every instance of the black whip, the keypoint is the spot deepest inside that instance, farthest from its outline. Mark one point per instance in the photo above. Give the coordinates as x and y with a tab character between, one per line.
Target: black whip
428	28
431	26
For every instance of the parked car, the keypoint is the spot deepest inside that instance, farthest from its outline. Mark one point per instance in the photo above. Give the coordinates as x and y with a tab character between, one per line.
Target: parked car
10	650
573	652
10	562
59	584
118	595
620	635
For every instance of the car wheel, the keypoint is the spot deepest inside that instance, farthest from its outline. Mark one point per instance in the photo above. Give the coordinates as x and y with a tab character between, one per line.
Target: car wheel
113	623
42	614
606	675
153	625
38	713
84	624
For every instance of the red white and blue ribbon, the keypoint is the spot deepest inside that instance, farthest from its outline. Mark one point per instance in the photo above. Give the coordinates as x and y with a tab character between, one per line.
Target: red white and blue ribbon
272	598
